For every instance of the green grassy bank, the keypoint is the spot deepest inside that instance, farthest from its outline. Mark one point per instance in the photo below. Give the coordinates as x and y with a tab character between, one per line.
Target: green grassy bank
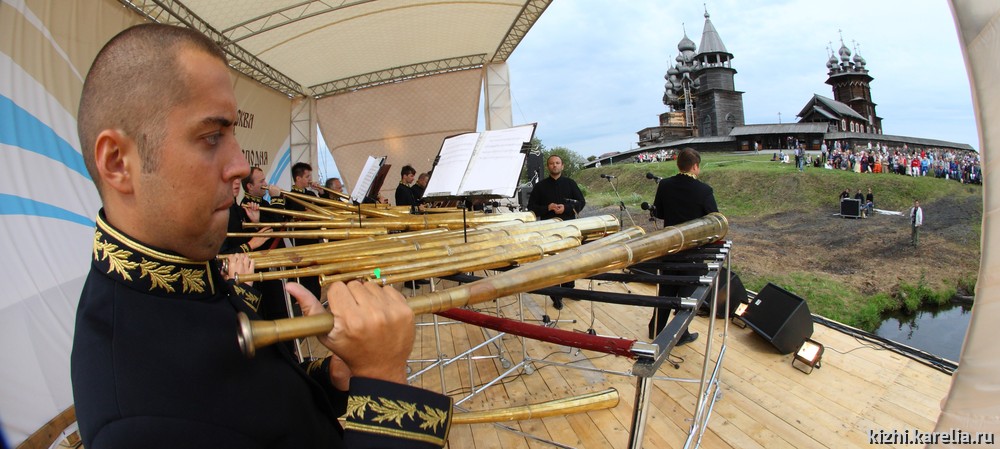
750	188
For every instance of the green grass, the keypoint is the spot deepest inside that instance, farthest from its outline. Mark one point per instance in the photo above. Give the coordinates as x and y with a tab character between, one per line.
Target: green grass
752	186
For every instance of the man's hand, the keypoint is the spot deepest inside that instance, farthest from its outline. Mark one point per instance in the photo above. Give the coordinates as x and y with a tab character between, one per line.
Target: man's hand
373	328
274	191
256	242
253	211
241	264
557	208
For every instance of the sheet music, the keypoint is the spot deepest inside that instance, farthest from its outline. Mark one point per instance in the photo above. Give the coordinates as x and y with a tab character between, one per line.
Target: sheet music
366	178
497	165
487	163
454	159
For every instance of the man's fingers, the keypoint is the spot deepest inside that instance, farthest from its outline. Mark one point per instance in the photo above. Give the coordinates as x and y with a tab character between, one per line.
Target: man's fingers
307	301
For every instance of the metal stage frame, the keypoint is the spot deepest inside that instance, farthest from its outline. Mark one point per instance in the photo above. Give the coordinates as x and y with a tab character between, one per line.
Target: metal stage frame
649	356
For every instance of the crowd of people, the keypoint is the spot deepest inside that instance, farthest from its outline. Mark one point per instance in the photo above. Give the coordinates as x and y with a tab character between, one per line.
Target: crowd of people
655	156
937	162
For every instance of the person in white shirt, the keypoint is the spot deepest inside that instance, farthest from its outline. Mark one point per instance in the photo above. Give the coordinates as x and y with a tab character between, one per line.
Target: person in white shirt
916	220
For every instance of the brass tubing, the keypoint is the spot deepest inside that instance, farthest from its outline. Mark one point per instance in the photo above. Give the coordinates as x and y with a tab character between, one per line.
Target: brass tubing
335	193
588	402
338	245
320	254
294	213
311	207
600	256
577	263
405	223
486	259
333	234
366	263
341	205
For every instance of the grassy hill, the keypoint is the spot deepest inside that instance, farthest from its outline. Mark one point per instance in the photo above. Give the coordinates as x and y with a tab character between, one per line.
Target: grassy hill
784	230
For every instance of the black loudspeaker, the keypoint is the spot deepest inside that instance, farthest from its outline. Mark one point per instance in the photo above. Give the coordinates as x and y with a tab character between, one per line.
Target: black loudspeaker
737	293
850	207
780	317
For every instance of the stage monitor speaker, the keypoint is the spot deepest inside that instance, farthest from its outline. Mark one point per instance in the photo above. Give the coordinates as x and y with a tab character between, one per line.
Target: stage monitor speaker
737	292
781	317
850	207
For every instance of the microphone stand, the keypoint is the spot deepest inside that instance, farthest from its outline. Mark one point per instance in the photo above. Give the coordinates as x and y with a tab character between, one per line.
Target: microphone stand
621	202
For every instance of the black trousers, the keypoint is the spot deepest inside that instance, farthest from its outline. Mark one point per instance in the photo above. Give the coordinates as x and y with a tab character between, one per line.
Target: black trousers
661	315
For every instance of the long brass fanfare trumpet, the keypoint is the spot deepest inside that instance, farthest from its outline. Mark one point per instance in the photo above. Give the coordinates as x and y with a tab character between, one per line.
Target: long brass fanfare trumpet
610	253
598	400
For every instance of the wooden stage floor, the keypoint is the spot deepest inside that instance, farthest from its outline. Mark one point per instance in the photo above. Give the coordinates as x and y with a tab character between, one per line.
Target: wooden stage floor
764	401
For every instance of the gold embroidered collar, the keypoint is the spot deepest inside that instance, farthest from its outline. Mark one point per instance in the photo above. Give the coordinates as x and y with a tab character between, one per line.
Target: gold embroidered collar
148	269
298	190
692	175
253	199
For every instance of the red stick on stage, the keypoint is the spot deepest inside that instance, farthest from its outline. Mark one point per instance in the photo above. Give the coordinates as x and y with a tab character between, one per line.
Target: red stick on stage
609	345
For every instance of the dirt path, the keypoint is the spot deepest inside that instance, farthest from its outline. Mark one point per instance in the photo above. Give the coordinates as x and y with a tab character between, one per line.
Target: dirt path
872	254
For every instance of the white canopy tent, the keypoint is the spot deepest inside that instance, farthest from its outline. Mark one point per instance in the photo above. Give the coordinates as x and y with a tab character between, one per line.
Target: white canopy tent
386	77
361	70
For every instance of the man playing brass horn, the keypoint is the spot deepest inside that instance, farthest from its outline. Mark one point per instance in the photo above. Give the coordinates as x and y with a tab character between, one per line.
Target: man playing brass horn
681	198
154	361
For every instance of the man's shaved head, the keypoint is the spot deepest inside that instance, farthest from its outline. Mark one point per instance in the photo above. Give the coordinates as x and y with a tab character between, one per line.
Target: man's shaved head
134	82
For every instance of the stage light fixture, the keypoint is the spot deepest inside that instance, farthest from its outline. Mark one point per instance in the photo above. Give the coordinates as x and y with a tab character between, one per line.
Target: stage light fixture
737	318
808	356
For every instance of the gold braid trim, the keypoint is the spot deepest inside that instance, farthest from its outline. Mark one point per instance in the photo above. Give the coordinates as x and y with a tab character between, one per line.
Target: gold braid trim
388	410
379	430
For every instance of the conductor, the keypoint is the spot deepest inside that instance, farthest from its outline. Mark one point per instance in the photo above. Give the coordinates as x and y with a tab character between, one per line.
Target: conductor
556	197
681	198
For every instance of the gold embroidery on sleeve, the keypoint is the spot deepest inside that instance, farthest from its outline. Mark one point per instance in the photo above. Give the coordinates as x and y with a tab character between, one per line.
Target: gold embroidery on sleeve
356	406
389	410
432	417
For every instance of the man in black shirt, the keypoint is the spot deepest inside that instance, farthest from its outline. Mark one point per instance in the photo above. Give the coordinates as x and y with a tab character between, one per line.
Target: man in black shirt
302	184
404	193
556	197
681	198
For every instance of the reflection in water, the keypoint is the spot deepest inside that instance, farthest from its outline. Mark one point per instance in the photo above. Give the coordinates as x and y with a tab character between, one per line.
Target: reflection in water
937	330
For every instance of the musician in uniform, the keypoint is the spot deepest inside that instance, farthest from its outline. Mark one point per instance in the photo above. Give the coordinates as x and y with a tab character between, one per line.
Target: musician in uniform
681	198
301	184
421	186
556	197
272	305
155	362
404	193
332	184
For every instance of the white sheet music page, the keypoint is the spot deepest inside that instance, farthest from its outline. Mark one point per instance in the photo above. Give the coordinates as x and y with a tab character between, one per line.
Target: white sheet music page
496	167
367	177
456	151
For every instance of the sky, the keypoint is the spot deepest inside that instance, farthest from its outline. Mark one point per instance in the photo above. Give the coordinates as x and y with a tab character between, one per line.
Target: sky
590	72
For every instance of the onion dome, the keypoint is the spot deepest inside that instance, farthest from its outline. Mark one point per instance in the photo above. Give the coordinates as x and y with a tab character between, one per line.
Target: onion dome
845	53
832	62
686	44
858	60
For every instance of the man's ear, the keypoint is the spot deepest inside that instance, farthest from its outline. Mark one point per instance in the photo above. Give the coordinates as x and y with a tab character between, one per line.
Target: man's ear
117	160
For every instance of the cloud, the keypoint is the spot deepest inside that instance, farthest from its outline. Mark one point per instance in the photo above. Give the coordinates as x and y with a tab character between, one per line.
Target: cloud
590	72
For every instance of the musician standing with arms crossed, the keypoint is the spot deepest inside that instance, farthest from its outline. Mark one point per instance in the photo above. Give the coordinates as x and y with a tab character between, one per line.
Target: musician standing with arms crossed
681	198
556	197
155	362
